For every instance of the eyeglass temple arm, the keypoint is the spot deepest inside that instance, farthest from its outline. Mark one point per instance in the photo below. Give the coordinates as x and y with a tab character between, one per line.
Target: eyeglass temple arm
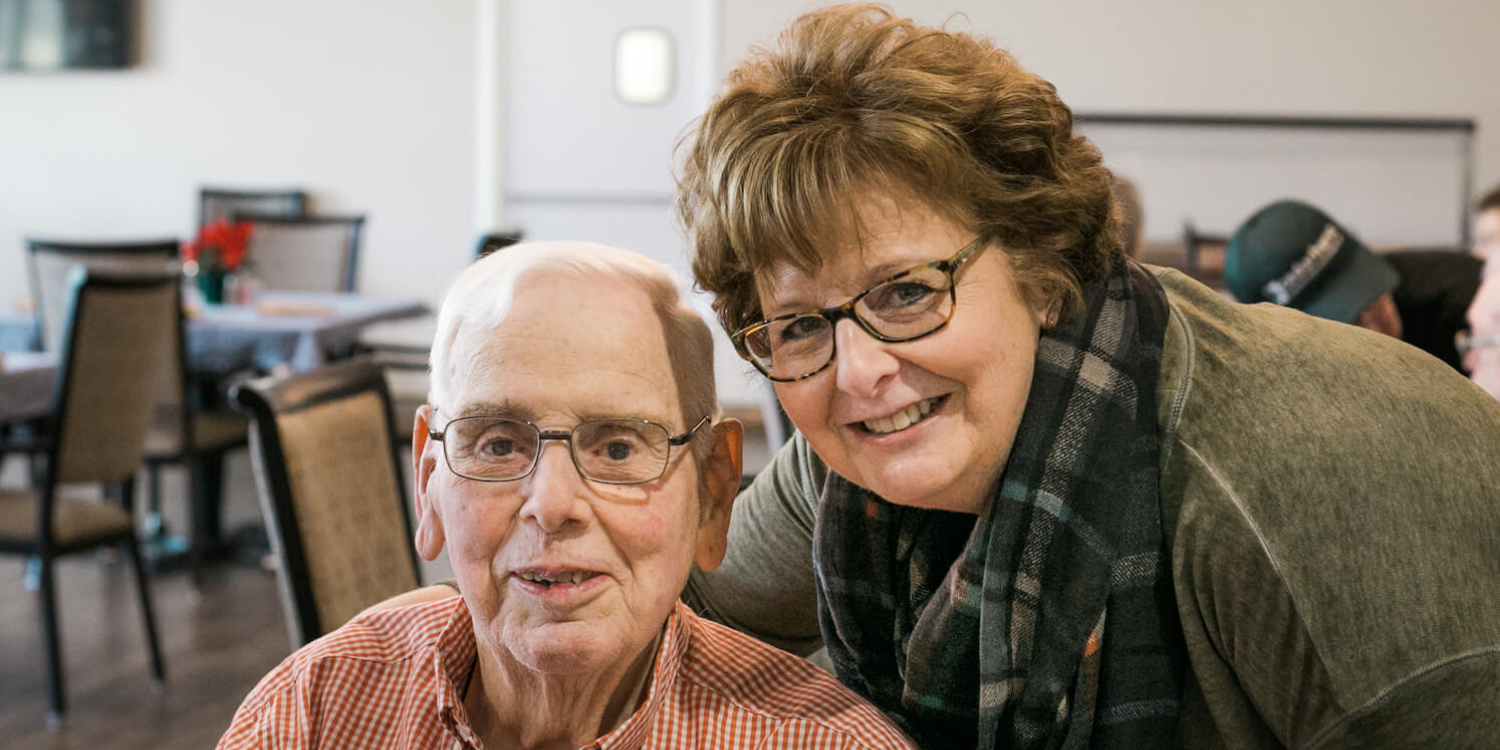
686	437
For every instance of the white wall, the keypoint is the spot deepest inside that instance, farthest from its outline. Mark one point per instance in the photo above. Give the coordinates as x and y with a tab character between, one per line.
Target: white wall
367	104
373	105
1328	57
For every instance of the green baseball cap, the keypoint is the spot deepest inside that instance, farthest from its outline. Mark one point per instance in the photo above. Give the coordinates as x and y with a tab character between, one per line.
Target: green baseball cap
1292	254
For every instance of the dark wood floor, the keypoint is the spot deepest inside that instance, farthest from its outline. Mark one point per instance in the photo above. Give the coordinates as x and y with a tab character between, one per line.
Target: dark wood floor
216	648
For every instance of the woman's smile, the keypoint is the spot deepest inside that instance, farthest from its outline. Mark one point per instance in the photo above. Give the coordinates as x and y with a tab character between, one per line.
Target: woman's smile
902	419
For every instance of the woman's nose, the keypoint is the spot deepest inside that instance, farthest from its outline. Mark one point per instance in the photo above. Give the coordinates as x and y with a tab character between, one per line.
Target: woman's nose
862	363
553	493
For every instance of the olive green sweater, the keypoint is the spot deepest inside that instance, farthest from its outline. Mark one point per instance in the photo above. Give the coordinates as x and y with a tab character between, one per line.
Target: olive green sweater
1331	498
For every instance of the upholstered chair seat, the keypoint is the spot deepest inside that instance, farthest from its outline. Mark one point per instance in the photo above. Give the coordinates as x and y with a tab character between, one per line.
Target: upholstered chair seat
76	522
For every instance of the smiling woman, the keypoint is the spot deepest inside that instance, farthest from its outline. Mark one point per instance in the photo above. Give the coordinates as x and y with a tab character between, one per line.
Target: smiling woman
1080	503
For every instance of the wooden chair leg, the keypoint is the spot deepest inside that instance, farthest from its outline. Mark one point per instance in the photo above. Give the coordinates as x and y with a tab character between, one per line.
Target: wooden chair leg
148	614
56	703
197	538
127	495
212	489
153	502
37	467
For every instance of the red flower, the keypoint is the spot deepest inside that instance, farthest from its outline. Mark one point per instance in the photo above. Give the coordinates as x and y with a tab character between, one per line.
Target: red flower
220	244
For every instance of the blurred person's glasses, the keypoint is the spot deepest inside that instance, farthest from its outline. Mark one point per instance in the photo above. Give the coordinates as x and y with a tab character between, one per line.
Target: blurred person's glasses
1466	341
912	304
608	451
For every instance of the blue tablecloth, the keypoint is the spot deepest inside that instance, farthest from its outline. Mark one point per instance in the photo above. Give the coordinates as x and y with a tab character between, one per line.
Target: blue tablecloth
18	331
284	331
297	330
26	383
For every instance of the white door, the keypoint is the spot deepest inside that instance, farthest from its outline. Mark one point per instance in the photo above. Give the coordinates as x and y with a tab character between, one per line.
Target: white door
598	93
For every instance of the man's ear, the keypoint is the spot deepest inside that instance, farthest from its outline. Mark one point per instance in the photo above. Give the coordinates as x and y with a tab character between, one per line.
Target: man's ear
424	458
722	475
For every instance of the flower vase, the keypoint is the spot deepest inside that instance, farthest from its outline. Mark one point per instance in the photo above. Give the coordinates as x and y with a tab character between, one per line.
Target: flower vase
211	284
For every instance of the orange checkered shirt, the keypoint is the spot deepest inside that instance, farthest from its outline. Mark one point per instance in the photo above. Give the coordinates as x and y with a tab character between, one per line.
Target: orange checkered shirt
393	680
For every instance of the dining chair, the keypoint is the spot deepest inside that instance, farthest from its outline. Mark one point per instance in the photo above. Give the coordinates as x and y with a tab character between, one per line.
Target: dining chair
1203	255
224	203
492	241
304	253
118	336
186	430
51	261
331	493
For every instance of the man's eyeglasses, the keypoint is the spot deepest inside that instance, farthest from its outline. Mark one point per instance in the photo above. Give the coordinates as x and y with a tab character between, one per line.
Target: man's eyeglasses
1465	342
914	303
609	451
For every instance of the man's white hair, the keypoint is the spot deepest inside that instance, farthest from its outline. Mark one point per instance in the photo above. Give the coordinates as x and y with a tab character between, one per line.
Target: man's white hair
480	298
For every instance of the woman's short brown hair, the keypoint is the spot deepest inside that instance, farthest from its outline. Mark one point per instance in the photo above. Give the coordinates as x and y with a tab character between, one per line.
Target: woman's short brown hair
854	100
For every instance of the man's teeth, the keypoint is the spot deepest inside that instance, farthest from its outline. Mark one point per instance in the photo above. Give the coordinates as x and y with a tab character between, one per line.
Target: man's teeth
576	576
901	419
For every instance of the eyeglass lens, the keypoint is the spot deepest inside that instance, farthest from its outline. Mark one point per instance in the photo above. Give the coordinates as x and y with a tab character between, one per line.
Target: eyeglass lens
904	308
1466	341
613	451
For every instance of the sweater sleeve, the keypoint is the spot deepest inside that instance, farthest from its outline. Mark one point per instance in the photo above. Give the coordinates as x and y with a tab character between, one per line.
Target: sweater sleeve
765	585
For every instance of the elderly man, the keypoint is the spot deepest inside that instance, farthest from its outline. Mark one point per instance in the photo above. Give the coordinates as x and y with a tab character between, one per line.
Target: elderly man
572	462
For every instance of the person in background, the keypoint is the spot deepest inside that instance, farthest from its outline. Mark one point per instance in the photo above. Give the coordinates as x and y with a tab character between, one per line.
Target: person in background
1481	343
1293	254
1487	226
568	632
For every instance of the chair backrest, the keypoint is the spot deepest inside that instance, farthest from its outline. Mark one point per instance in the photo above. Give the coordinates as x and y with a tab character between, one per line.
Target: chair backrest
1203	255
51	262
123	337
492	241
224	203
331	492
306	253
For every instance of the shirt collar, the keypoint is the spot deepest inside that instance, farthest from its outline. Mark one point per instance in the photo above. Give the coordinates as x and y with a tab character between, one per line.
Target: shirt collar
676	636
457	649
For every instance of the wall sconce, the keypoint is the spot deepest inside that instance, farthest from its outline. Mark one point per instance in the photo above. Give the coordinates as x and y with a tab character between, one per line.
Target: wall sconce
645	66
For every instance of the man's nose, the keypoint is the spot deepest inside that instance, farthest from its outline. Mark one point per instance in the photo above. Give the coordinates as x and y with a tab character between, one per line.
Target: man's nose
863	364
553	494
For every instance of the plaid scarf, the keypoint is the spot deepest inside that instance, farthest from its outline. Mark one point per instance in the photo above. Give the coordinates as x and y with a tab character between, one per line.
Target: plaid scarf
1049	620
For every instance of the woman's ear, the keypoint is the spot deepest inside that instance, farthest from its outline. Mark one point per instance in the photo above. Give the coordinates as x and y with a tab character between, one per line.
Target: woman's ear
424	458
721	474
1046	310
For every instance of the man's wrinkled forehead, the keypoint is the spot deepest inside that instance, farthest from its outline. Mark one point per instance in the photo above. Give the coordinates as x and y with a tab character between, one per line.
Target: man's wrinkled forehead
574	340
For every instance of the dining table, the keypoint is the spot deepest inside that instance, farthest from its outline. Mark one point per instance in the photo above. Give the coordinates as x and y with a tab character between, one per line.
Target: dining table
281	332
26	384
